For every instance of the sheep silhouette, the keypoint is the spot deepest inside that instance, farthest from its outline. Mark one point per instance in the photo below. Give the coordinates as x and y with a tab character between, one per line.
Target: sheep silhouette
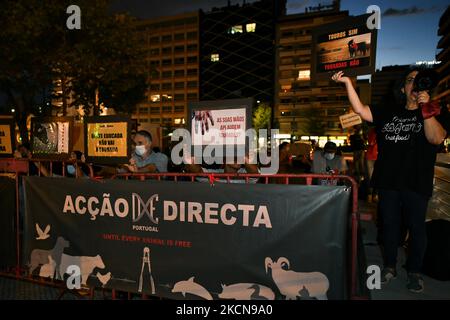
294	284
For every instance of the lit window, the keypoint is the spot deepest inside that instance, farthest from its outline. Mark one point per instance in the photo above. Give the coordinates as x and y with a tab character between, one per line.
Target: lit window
177	121
286	88
155	97
304	74
235	29
250	27
214	57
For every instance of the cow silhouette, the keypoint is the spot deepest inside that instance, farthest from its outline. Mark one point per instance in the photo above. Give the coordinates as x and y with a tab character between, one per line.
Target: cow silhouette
86	264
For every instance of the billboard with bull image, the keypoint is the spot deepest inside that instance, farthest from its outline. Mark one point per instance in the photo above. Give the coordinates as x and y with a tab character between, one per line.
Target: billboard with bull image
347	45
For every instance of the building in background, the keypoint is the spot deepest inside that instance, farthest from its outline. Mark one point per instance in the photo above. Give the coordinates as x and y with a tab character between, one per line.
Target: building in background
173	66
364	90
237	51
383	80
443	89
302	108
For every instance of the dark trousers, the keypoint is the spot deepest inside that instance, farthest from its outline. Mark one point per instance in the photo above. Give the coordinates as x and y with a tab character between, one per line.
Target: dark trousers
392	203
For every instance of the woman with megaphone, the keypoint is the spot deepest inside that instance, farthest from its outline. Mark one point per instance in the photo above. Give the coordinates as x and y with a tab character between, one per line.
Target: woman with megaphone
409	128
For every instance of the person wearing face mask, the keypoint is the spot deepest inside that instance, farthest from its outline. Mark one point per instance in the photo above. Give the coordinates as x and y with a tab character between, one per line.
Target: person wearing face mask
326	161
76	170
143	159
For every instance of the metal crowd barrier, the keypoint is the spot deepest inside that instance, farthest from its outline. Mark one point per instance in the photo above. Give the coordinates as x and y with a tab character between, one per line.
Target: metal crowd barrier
266	179
20	167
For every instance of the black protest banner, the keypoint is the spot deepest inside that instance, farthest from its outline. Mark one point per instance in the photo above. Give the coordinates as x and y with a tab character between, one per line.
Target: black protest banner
7	217
190	240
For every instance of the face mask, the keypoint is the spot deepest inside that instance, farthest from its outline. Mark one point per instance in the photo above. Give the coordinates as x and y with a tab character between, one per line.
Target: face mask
329	156
140	150
71	169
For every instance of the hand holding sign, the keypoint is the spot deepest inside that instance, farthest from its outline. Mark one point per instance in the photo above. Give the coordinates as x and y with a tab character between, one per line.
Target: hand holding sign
202	118
339	78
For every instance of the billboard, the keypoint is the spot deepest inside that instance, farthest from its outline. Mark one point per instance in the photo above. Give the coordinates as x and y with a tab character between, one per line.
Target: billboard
347	45
107	139
51	137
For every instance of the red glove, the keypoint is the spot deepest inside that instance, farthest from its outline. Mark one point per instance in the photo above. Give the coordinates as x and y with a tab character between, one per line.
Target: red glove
430	109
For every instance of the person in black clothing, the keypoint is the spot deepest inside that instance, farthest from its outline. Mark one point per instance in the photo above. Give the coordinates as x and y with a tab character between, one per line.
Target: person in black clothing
357	145
408	135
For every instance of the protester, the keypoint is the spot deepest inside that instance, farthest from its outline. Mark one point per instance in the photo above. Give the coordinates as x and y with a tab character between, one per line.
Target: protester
409	129
357	145
327	162
285	158
371	156
233	168
143	159
76	169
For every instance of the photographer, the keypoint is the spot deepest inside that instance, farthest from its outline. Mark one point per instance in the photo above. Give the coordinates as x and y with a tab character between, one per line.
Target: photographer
409	131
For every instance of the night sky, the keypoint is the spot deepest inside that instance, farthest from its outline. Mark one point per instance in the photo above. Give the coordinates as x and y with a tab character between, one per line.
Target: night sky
408	27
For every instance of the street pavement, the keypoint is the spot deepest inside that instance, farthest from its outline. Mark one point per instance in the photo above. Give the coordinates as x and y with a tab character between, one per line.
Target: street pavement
396	289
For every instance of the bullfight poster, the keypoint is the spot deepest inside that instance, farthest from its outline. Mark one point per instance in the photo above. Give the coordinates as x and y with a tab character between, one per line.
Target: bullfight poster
51	137
347	45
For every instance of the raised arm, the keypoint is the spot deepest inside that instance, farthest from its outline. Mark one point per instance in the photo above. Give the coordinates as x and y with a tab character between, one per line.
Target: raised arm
357	106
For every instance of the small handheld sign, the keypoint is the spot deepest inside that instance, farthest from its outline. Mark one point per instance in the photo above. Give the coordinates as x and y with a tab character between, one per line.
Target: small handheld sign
6	138
107	139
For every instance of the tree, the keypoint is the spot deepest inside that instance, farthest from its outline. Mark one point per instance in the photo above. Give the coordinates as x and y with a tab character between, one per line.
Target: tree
22	50
104	59
112	65
313	124
262	117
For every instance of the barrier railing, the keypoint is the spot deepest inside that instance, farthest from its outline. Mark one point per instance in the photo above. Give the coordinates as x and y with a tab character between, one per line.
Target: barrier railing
266	179
21	167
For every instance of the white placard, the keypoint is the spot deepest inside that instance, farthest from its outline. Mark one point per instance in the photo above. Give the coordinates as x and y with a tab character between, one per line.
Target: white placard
218	127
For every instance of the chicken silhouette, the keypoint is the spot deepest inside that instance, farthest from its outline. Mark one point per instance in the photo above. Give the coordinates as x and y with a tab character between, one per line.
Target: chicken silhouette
42	234
103	278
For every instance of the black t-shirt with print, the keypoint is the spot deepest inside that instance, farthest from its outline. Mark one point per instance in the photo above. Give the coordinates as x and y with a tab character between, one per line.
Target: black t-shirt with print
405	157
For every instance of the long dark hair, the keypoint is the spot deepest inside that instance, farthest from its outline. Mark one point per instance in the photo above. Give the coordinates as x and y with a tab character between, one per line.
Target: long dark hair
395	95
